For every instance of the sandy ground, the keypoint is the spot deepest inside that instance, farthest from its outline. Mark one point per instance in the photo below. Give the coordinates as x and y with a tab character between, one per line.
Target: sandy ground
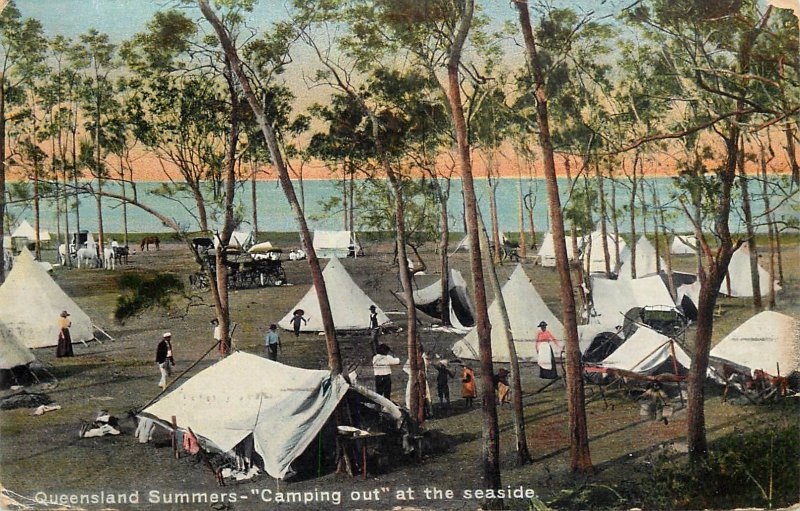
45	454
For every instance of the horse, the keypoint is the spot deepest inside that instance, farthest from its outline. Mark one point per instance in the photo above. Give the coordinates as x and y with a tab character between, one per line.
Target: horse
121	254
109	261
62	254
149	240
87	255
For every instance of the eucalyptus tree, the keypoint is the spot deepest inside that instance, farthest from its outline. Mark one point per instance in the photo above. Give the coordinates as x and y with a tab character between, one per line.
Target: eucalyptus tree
95	56
22	45
713	48
281	39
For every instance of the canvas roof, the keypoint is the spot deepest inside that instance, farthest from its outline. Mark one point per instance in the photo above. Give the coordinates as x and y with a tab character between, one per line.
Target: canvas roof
644	352
462	313
349	304
283	408
25	230
683	245
547	253
739	275
30	304
525	310
333	239
12	352
597	263
612	299
646	260
239	239
766	341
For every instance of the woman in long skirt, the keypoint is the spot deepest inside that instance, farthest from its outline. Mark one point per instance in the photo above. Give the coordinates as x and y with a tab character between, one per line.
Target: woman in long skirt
64	339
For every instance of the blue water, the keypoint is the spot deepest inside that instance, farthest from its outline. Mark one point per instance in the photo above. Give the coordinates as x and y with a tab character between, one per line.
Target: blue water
274	213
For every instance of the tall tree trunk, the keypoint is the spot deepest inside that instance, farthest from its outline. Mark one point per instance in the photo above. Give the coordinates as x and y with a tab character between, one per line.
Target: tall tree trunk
770	226
632	211
576	261
124	203
62	148
791	154
254	198
656	229
523	454
668	253
580	458
99	172
490	430
493	183
444	258
2	176
603	227
755	278
75	173
334	357
614	216
523	245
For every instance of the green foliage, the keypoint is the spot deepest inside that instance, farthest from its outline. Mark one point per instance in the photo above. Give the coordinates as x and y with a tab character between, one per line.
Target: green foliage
143	292
755	467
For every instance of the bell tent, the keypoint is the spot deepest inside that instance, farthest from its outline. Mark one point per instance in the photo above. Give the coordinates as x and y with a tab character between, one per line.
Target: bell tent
25	230
597	259
646	261
683	245
525	310
738	283
612	299
349	304
547	251
30	304
769	341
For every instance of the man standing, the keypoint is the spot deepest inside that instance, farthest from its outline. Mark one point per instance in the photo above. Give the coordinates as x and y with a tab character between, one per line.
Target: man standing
443	376
273	342
375	329
164	358
382	364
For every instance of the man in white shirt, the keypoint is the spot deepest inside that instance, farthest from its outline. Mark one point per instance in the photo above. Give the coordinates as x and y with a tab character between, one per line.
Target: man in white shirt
382	364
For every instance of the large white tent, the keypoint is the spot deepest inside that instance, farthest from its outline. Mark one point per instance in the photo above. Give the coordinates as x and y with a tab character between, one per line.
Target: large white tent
547	251
349	304
30	304
25	230
738	282
769	341
525	310
462	313
330	244
597	258
282	407
646	352
647	263
12	352
683	245
612	299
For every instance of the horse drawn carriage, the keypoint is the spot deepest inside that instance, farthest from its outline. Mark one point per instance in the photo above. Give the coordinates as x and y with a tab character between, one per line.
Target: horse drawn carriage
243	268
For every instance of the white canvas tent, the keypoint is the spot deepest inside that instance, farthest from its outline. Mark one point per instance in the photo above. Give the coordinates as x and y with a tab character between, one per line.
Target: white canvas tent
612	299
281	407
547	253
768	341
330	244
525	310
738	283
646	352
349	304
12	352
241	240
683	245
646	261
462	313
25	230
30	304
597	262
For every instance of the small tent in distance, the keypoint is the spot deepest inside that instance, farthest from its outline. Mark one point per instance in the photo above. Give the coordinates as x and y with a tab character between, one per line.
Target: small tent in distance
25	230
349	304
738	282
547	251
339	244
525	310
769	341
30	304
594	249
647	263
683	245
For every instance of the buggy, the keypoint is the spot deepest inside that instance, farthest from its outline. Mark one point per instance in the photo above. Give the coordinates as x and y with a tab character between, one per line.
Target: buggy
243	271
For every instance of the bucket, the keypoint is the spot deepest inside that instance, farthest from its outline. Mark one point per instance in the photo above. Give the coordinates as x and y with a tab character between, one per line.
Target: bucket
647	410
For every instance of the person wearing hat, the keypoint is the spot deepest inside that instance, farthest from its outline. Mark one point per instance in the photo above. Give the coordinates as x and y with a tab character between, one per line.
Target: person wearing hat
443	376
382	364
297	317
544	350
374	327
64	348
164	358
273	342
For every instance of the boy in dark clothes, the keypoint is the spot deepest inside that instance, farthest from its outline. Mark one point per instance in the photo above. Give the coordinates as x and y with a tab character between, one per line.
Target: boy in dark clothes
443	375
